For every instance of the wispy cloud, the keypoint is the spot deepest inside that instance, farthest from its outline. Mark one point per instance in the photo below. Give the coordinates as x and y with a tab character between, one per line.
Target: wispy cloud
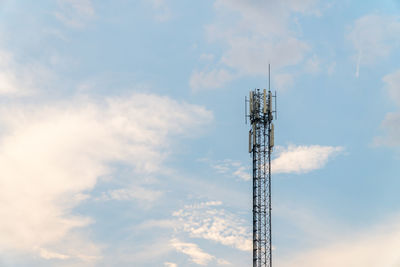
209	221
196	254
209	79
139	193
391	122
303	159
232	168
46	254
391	126
75	13
162	9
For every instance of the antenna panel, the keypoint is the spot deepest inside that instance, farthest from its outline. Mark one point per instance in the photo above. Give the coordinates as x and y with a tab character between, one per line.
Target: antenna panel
250	146
254	134
270	101
251	102
272	136
265	101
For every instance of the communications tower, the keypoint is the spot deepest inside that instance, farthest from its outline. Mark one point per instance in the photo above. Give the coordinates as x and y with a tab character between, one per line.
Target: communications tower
261	143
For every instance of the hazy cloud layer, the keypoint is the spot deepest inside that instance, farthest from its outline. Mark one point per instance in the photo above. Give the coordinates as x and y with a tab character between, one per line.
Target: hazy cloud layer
21	79
373	247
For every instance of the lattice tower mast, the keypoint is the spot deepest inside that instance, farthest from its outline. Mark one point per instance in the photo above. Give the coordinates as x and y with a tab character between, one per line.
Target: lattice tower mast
261	143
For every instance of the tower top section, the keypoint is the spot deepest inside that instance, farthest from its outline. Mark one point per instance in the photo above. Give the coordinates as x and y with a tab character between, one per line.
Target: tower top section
262	106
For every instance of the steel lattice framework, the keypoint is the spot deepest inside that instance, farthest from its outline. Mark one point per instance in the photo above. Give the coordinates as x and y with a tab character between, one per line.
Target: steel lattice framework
261	142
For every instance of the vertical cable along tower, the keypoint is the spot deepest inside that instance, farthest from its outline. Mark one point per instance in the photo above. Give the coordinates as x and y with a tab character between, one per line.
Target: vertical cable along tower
261	143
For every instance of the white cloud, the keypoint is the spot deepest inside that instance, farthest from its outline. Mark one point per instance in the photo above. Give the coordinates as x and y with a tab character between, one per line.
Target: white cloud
377	246
374	37
75	13
134	192
207	221
302	159
232	168
51	154
254	34
196	254
293	159
209	79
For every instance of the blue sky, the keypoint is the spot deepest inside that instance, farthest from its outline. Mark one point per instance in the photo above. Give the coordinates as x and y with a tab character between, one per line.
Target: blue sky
123	142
